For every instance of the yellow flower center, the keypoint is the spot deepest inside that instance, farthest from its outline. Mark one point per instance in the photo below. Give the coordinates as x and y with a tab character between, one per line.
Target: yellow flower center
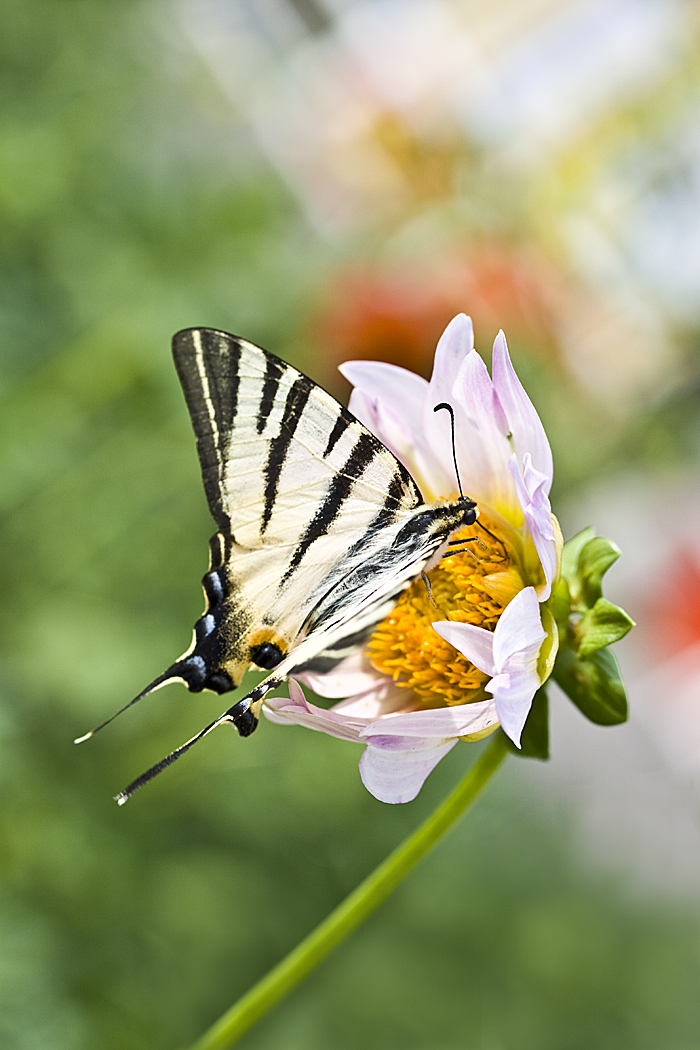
472	586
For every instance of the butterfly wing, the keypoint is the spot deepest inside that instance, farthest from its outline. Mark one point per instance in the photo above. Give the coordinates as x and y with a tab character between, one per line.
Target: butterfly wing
320	527
303	496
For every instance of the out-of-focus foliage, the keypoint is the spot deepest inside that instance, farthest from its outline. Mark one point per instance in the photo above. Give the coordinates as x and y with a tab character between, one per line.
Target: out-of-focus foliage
130	206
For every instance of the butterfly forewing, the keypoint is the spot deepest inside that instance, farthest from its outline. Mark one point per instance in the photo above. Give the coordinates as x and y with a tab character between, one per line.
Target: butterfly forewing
296	484
270	441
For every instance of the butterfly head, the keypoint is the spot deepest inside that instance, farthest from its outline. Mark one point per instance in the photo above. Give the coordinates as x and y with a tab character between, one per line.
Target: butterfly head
468	508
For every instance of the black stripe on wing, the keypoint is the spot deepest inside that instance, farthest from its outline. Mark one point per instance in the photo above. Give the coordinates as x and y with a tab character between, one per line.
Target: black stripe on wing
381	520
279	446
274	370
342	423
339	490
207	363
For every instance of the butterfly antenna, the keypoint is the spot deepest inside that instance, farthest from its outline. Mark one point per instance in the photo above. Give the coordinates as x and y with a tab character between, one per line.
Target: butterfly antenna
173	674
444	404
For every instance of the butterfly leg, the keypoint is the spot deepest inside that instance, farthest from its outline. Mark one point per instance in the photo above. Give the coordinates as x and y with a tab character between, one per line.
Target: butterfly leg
461	547
429	588
496	538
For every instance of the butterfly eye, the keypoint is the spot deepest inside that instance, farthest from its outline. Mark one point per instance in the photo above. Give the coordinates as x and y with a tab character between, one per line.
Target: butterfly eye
266	655
470	511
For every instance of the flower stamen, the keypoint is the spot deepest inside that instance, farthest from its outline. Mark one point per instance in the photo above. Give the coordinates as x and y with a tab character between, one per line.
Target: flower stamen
472	590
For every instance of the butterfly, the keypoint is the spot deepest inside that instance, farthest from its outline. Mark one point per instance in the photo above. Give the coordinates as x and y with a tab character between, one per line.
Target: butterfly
319	527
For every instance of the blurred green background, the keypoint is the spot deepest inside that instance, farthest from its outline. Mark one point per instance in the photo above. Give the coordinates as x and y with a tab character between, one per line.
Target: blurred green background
152	177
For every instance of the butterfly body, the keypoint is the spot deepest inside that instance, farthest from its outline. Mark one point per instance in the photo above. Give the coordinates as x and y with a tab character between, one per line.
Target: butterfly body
319	526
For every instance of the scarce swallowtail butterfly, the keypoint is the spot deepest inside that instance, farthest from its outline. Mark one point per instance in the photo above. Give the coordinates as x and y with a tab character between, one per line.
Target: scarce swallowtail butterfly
319	527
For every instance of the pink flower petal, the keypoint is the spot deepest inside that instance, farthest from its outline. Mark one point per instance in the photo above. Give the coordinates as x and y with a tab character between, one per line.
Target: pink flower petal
383	699
456	343
509	654
298	711
473	642
538	516
397	775
483	446
478	398
400	390
389	400
517	640
524	423
384	423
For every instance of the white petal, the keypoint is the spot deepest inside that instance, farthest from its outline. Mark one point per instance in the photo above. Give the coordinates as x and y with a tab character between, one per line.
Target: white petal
509	654
519	633
384	423
513	695
398	775
478	398
385	698
525	425
351	676
436	723
475	643
536	485
517	640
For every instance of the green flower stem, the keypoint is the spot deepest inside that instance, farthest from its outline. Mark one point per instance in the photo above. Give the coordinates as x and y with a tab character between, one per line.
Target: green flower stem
356	907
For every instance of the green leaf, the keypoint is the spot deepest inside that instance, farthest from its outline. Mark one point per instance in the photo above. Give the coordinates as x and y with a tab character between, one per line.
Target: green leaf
559	604
534	743
593	683
570	556
602	625
594	561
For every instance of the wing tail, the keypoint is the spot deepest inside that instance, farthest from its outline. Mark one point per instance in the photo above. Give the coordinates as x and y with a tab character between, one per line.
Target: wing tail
244	715
126	794
177	672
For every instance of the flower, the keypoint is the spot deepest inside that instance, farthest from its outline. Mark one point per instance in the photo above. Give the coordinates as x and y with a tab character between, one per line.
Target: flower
455	659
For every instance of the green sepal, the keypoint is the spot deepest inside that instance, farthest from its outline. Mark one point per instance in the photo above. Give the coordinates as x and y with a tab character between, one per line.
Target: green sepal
559	604
570	557
602	625
534	742
594	561
550	646
593	683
